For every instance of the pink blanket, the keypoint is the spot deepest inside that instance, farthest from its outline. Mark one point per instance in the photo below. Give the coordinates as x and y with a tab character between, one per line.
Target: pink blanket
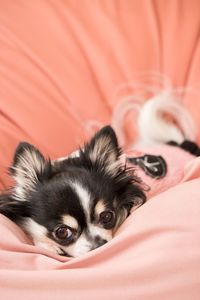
62	63
155	255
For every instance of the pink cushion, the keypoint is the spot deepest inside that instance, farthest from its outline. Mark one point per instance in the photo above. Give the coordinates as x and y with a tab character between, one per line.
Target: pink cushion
155	255
61	64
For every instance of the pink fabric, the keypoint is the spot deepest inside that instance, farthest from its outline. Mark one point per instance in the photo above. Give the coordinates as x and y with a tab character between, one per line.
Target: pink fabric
155	255
175	159
61	64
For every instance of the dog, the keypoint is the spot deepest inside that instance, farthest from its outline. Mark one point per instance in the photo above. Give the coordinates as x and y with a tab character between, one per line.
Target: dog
72	205
75	204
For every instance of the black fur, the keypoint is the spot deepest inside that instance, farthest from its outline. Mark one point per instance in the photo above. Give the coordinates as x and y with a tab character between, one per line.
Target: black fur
12	208
50	195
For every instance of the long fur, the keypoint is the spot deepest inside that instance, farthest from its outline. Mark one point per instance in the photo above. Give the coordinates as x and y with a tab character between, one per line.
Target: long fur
72	192
154	128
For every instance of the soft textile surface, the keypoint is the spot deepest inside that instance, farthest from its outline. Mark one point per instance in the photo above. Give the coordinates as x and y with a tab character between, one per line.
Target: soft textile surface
61	65
155	255
175	159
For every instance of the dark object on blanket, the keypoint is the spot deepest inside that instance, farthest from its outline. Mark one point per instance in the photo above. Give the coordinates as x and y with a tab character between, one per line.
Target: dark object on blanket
153	165
188	146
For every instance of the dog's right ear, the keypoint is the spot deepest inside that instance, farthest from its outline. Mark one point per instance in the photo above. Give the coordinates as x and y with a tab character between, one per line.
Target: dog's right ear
104	151
29	168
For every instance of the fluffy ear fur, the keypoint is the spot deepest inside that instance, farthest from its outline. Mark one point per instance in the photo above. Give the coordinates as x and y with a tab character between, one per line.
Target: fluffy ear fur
12	208
103	150
28	169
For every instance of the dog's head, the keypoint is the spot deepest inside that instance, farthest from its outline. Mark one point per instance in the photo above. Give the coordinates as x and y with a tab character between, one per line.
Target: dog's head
74	205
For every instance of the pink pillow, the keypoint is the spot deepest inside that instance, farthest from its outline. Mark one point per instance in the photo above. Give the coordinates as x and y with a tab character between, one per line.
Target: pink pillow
154	255
62	65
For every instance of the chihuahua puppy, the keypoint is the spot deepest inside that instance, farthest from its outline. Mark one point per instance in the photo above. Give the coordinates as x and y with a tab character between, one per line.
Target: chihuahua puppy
72	205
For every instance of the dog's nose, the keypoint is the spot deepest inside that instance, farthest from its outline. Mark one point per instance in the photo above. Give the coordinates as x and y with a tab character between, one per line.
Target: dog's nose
101	243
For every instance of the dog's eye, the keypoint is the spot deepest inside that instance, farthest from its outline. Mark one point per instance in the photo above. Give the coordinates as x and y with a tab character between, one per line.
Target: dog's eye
106	217
63	233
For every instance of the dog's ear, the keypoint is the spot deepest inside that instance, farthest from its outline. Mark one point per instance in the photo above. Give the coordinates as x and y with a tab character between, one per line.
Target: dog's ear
29	167
12	208
103	150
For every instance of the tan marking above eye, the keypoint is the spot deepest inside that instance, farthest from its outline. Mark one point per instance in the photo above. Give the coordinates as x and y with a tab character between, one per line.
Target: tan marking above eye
70	221
99	208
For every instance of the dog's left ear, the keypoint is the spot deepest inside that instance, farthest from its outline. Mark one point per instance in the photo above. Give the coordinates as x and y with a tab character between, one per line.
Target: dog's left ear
103	150
29	167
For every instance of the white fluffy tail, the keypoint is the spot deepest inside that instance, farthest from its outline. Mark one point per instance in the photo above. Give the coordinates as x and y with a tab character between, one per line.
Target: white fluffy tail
153	127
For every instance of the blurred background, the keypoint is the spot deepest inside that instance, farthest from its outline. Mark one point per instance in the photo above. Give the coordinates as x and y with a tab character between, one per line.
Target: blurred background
69	67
